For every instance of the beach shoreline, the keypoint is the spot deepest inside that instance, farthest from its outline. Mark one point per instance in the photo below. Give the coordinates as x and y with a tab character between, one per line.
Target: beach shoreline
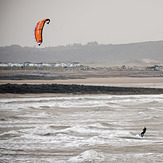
148	82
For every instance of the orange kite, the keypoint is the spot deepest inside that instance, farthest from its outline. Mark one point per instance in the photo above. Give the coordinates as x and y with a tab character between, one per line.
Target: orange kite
39	30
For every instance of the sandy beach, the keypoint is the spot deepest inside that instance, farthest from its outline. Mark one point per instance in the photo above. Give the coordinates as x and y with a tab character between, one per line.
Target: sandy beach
148	82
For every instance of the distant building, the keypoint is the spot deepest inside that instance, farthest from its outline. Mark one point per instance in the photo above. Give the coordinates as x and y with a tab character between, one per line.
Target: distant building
26	64
155	68
3	64
29	64
123	67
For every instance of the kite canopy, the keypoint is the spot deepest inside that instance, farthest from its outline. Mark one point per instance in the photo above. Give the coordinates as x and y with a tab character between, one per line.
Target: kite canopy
39	29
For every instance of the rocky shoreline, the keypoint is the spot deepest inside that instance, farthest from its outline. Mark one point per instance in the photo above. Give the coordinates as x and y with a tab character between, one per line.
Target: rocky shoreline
74	89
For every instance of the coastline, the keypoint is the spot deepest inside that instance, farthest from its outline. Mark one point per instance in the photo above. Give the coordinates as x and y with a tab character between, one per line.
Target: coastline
96	85
145	82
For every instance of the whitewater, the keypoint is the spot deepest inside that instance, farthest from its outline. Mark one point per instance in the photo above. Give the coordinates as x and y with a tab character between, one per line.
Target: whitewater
81	128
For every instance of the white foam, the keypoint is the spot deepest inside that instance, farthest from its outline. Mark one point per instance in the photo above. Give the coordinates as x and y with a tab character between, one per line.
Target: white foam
39	124
79	101
87	156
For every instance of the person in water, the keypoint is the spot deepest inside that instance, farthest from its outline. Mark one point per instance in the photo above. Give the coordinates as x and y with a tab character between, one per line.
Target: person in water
144	130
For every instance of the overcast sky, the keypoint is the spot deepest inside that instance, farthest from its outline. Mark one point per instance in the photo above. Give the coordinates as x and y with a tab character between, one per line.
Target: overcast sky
81	21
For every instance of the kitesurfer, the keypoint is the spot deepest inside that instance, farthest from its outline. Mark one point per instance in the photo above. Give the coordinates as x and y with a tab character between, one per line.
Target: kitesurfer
144	130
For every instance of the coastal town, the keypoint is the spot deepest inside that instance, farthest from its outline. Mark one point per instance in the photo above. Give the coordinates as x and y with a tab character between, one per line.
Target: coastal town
75	65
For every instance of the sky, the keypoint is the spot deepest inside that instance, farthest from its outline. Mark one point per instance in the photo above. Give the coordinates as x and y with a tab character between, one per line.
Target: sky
81	21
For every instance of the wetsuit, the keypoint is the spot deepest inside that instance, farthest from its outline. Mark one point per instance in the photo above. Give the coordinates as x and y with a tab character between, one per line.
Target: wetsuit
144	130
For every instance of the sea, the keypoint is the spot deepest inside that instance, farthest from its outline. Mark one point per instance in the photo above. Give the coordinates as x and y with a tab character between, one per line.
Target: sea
81	129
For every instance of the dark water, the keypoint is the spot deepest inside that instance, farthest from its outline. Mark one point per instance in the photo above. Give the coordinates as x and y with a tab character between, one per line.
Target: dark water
85	128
